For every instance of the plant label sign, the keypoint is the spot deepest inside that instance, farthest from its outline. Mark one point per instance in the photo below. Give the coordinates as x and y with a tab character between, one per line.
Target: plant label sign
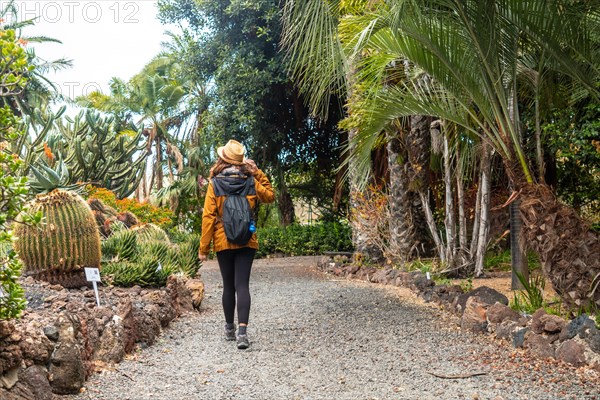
93	275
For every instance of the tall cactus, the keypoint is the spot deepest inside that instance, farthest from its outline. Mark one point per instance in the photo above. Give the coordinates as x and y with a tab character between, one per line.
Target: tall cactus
67	241
101	150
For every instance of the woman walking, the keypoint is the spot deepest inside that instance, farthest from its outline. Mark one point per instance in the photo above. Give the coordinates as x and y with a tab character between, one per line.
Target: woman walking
236	177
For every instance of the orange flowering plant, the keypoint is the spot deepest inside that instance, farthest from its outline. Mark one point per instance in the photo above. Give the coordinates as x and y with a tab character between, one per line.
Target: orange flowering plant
144	211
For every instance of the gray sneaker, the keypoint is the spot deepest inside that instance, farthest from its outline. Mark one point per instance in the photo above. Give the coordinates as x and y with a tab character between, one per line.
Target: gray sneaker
230	333
243	342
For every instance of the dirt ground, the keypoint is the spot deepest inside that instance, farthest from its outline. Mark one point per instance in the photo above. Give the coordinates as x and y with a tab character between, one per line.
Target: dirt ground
501	281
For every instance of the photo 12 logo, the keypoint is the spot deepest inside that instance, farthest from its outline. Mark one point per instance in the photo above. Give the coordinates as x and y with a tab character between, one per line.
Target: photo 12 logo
118	12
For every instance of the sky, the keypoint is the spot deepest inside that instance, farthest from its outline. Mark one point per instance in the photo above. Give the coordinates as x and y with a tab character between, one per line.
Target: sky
103	38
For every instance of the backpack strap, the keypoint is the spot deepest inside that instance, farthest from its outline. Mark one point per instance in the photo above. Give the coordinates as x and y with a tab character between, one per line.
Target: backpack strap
222	185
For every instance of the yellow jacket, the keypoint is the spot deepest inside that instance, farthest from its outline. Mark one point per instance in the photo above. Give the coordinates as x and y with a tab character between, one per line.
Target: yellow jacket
212	229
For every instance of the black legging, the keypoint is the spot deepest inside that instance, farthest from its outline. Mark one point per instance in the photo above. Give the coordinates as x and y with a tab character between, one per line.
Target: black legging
235	266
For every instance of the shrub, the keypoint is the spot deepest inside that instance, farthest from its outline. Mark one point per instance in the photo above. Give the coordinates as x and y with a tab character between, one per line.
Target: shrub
14	70
144	211
532	297
14	192
299	240
370	216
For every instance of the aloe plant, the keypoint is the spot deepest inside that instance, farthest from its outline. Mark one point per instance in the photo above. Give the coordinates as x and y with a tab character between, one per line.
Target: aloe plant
128	262
150	232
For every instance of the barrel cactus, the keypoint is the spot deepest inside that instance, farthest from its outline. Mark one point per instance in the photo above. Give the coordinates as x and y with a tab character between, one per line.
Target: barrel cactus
67	241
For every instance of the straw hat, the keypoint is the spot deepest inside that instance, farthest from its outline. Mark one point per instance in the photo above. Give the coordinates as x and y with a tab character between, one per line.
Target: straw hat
232	152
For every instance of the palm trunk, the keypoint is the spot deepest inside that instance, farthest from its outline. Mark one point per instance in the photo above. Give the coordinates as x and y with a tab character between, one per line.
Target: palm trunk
460	199
475	233
517	253
436	137
449	221
402	233
539	152
569	250
484	210
145	181
439	245
418	144
159	170
151	184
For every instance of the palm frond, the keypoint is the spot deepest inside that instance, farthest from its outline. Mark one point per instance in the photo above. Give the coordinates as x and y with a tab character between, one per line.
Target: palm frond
314	54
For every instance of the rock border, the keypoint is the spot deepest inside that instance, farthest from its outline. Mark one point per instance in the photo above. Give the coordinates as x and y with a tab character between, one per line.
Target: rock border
485	311
58	344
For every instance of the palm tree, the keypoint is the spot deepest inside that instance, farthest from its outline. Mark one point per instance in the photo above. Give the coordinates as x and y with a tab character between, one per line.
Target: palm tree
471	51
39	90
322	70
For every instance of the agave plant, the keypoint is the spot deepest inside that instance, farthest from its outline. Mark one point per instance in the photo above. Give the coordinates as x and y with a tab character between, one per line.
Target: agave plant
45	179
128	261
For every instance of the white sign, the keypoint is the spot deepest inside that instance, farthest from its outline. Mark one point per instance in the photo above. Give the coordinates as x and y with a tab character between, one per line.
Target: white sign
92	274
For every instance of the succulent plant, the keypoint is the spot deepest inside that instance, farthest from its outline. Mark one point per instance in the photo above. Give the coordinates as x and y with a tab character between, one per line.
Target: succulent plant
147	271
106	217
102	150
45	179
187	260
161	251
65	243
150	233
151	263
120	246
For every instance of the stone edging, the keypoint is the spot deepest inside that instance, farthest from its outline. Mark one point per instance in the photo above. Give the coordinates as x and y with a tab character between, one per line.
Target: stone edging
485	310
62	340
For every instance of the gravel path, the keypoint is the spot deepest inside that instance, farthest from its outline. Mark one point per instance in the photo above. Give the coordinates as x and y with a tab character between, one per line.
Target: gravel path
314	337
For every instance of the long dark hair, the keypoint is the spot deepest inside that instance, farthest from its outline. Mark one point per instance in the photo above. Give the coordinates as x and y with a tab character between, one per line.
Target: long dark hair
221	164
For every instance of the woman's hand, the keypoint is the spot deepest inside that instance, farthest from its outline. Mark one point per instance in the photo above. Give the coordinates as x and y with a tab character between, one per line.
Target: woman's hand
251	166
202	257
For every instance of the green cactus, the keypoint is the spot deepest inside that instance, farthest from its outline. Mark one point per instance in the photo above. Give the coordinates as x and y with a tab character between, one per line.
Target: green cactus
39	123
150	233
67	241
100	149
